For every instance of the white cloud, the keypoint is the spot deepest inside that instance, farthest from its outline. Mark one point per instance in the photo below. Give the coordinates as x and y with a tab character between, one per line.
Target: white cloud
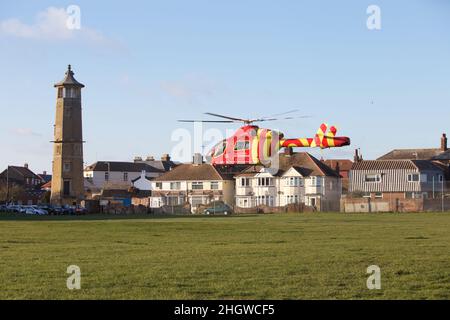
191	88
51	25
26	132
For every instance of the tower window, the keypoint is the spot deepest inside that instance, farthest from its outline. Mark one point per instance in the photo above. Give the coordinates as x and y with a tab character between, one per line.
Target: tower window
66	188
67	167
60	92
125	176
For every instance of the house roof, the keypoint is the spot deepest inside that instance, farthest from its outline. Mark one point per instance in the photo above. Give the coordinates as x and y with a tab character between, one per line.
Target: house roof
412	154
303	162
163	165
47	185
45	177
191	172
19	173
421	165
121	167
343	164
310	165
138	178
69	79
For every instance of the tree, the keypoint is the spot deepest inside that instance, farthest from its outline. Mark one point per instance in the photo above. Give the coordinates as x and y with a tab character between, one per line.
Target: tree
15	191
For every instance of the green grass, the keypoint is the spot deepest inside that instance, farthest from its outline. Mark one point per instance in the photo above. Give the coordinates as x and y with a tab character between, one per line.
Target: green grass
289	256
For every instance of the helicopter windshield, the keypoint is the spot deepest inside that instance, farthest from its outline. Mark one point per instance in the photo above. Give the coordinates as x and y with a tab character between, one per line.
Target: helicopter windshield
220	148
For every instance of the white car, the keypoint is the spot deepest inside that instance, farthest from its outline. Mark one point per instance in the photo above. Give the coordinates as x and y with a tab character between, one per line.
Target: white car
36	211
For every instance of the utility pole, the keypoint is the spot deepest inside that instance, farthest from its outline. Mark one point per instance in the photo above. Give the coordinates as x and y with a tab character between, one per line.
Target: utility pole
433	188
7	184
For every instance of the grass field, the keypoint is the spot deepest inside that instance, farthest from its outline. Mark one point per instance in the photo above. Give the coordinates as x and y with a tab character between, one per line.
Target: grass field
290	256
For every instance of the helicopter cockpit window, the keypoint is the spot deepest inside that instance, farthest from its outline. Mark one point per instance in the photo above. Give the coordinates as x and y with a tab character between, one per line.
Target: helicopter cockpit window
220	149
242	145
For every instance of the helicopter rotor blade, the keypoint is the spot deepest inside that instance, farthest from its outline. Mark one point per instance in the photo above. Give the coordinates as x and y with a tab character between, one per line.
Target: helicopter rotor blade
283	113
276	119
211	121
226	117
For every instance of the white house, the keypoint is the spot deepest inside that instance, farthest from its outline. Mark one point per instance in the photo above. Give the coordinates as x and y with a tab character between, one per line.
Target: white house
193	183
301	178
117	175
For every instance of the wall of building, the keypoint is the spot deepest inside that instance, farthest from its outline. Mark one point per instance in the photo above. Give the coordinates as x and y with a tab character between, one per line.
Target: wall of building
115	180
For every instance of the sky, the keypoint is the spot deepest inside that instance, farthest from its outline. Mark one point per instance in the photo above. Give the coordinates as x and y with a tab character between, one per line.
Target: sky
147	64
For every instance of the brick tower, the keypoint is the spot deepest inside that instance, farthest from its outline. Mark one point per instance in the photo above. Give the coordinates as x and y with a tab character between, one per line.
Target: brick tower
67	179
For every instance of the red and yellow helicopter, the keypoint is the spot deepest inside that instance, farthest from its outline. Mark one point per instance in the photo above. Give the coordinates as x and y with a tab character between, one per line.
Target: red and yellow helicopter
253	145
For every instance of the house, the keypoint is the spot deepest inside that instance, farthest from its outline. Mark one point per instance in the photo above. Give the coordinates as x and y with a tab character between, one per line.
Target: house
21	176
439	154
342	167
301	179
195	183
21	185
400	179
117	175
45	177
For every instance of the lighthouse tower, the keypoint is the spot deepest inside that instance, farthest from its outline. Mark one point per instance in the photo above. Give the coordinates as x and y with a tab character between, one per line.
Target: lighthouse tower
67	179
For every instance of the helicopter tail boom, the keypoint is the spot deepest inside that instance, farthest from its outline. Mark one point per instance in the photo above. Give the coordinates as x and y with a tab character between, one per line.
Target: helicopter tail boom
322	139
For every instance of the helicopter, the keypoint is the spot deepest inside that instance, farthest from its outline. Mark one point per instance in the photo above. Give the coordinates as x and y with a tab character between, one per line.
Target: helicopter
252	145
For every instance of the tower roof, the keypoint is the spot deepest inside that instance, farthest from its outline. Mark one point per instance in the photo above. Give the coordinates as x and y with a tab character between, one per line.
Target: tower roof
69	80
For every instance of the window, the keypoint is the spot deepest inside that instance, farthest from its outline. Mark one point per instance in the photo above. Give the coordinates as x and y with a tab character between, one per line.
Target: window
413	195
125	176
372	178
66	188
60	92
293	181
413	177
106	176
366	195
158	185
214	185
245	182
292	199
220	148
71	92
265	182
197	185
242	145
67	167
379	195
441	178
175	185
316	181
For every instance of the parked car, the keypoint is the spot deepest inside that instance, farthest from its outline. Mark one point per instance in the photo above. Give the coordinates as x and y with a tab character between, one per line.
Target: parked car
218	208
80	210
35	211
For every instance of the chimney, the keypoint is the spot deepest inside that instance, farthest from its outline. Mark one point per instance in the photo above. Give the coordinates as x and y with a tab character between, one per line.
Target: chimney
165	157
137	159
150	158
44	173
288	151
26	165
197	159
357	157
444	142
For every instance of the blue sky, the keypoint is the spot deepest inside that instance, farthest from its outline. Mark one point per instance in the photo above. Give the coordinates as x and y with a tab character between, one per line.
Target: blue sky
146	64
